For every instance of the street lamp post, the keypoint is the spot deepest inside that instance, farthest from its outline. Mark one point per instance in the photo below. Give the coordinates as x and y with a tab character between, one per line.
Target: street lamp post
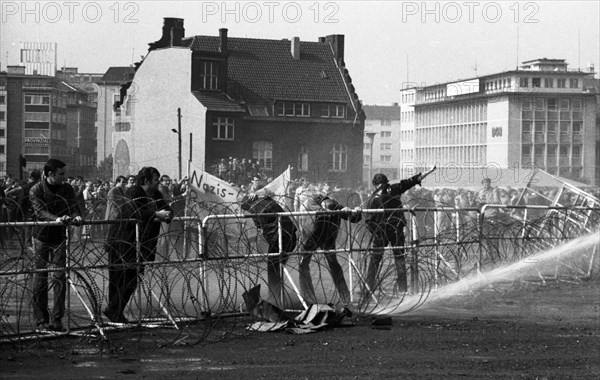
178	132
371	137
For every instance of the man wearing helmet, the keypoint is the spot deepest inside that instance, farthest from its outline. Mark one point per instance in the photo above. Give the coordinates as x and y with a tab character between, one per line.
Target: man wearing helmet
388	227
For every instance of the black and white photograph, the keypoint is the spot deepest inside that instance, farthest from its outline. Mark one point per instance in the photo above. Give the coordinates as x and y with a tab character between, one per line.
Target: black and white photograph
300	189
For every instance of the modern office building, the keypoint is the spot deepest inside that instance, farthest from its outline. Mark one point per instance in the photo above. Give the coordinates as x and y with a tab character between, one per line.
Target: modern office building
45	117
540	115
381	147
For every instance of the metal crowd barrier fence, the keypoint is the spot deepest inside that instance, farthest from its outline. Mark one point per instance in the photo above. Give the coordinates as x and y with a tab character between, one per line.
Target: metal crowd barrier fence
205	264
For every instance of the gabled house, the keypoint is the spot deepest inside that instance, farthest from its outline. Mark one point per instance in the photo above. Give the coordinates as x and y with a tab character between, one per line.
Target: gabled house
281	102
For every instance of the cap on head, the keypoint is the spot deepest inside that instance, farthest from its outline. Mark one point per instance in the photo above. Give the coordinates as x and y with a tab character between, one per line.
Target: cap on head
380	179
486	180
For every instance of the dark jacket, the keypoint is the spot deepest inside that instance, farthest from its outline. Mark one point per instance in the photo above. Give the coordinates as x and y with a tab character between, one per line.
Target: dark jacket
389	199
49	205
268	224
142	206
327	225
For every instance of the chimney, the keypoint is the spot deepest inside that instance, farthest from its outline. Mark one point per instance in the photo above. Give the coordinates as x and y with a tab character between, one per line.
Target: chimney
223	36
295	48
336	41
177	31
172	34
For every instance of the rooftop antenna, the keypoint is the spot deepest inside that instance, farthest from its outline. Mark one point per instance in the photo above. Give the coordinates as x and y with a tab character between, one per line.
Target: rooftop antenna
517	46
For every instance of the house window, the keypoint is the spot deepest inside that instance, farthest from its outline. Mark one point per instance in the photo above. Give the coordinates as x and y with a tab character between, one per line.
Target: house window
37	103
303	159
385	134
1	149
2	115
302	109
577	128
367	146
386	158
385	146
524	82
536	82
561	83
552	104
2	132
2	99
223	128
339	158
564	104
548	82
576	104
337	111
263	152
386	122
366	160
292	109
209	75
574	83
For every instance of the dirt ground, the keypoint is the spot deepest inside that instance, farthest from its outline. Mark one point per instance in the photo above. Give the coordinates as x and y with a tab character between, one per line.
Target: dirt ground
525	332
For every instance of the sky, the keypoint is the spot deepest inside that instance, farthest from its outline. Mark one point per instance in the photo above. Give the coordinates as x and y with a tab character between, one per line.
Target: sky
388	44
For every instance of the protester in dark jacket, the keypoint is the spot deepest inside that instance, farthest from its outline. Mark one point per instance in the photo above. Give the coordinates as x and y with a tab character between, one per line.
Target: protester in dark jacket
257	204
52	200
146	204
323	235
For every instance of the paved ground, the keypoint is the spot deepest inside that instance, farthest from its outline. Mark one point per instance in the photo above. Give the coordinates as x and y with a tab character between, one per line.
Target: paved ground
529	331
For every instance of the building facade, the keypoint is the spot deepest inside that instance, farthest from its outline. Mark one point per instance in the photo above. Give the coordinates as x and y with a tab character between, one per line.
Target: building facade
381	148
45	117
3	129
540	115
39	58
281	102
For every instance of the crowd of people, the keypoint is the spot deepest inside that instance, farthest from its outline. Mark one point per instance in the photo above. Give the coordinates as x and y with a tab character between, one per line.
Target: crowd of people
239	172
52	196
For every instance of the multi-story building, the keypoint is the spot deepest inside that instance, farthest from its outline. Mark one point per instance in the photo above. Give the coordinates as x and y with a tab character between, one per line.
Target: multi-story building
109	93
3	117
540	115
281	102
45	118
80	129
381	148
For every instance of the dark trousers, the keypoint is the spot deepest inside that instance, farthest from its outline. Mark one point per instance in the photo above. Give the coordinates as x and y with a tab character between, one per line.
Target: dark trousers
55	255
124	274
337	273
274	263
380	238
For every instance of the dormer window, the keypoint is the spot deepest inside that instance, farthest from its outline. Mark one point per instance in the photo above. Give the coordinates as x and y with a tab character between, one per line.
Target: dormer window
337	111
205	74
209	75
292	109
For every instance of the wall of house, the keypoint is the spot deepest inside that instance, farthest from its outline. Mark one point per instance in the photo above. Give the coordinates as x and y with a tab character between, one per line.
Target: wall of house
161	86
288	137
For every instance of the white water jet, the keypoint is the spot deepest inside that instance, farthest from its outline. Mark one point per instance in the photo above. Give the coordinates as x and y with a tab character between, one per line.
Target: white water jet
531	265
